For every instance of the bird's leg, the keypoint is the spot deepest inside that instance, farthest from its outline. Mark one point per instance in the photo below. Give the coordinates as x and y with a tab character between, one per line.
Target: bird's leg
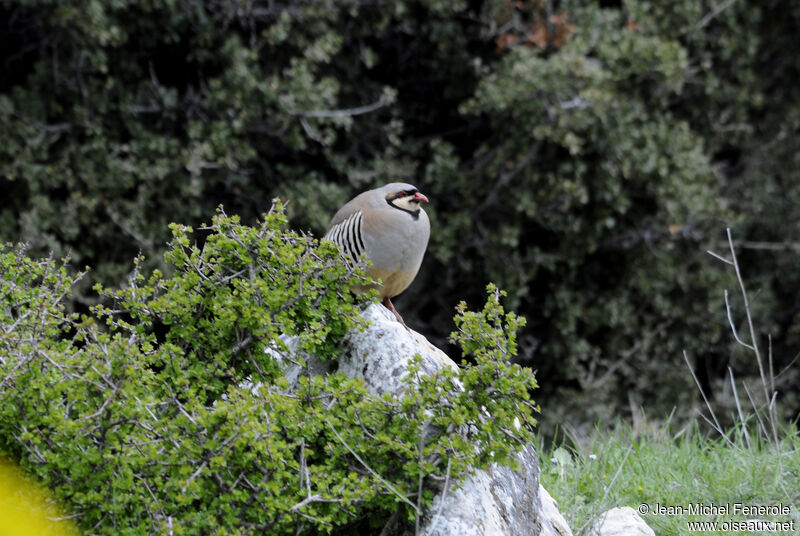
388	303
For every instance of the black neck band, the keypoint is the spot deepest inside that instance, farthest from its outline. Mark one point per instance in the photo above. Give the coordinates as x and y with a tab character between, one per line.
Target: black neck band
414	213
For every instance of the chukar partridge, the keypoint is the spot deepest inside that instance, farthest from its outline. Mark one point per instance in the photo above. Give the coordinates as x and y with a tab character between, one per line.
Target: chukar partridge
388	226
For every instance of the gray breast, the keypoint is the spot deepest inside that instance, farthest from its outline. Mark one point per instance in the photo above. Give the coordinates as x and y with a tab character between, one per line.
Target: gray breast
396	241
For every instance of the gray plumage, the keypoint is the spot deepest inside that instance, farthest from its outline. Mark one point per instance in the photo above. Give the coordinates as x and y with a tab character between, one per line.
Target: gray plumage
389	227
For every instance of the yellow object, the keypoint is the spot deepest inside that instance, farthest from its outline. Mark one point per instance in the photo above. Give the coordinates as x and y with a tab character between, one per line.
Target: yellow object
26	508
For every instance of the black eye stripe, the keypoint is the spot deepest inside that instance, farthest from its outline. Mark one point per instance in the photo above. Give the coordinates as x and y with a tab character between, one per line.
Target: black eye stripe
400	194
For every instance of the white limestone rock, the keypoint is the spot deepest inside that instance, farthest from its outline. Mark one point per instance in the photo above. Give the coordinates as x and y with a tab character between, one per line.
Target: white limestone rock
499	502
382	353
623	521
551	513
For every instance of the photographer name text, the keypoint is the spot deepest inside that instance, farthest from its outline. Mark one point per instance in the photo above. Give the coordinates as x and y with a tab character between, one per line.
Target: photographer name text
711	509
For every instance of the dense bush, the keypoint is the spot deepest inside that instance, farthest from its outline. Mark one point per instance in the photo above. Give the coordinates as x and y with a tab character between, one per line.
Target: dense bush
143	418
583	155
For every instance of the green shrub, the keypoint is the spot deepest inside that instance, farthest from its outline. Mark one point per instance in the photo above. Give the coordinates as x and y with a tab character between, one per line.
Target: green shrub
142	418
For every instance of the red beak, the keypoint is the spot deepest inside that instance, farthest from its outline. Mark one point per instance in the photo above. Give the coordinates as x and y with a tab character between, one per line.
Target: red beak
418	197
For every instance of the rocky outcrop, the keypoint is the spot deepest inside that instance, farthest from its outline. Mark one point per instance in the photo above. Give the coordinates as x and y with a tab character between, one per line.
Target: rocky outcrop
498	501
495	502
381	354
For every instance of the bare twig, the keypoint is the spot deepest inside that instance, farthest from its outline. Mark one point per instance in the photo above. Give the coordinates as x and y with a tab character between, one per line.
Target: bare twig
749	317
371	470
506	177
711	15
733	326
771	369
767	377
443	497
420	479
194	476
773	420
755	408
346	112
309	500
718	257
739	409
388	528
769	400
716	424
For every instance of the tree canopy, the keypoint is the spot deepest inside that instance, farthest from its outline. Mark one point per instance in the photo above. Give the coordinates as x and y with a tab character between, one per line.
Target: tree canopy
581	155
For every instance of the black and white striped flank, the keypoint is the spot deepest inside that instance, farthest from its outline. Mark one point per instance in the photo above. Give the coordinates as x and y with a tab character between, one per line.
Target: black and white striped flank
347	235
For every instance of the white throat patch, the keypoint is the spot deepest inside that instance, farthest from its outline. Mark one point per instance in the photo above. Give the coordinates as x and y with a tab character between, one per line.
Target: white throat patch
406	203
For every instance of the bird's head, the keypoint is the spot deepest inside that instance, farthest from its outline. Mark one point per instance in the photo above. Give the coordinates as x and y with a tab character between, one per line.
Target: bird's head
405	197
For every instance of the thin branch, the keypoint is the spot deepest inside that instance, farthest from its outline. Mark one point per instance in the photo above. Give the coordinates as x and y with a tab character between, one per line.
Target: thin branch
755	408
101	410
773	420
739	409
194	475
716	425
443	497
242	344
749	318
420	479
787	367
719	257
309	500
507	176
713	14
310	132
344	112
771	369
388	528
575	102
733	327
371	470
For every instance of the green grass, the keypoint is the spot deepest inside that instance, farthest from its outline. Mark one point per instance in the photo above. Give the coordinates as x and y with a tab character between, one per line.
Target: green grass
622	468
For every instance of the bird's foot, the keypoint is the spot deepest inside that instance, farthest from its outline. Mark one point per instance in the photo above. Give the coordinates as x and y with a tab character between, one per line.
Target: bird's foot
388	303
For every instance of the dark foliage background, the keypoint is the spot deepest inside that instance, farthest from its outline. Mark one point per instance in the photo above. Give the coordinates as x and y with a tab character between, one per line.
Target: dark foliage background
581	155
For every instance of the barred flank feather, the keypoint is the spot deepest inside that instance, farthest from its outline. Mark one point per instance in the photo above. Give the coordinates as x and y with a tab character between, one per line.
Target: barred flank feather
347	235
